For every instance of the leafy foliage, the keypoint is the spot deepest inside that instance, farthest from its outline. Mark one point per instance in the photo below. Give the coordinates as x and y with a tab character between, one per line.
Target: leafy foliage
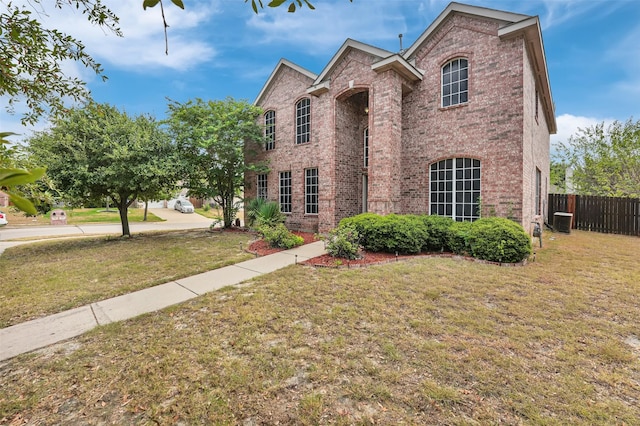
98	152
344	242
605	160
277	3
439	228
494	239
211	138
498	239
280	237
269	214
32	56
458	240
390	233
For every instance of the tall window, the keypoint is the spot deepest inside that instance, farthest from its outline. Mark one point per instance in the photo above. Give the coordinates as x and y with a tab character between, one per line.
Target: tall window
455	82
311	191
303	121
262	186
455	188
537	103
285	192
270	130
366	147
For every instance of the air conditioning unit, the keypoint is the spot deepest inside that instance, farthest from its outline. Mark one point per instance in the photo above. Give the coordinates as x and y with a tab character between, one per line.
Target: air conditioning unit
562	222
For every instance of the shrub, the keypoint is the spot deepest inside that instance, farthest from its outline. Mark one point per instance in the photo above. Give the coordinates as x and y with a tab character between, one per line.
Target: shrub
458	238
439	229
279	236
251	209
344	242
391	233
268	214
363	224
498	239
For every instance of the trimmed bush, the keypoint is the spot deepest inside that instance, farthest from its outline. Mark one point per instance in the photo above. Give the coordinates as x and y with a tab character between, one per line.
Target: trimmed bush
498	239
458	239
363	224
279	236
392	233
344	242
439	229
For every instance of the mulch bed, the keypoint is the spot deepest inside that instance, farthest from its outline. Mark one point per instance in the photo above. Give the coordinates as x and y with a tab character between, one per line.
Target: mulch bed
261	248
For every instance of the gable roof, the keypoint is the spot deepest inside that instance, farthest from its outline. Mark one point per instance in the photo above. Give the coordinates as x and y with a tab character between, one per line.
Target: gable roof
511	25
282	63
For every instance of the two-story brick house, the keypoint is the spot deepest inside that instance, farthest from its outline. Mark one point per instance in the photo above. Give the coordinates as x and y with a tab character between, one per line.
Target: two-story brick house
458	124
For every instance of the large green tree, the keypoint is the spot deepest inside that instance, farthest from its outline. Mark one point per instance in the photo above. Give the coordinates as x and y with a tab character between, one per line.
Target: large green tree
211	137
605	159
98	151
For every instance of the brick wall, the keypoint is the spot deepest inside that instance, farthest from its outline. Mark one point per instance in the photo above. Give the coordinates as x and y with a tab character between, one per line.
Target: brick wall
489	127
409	130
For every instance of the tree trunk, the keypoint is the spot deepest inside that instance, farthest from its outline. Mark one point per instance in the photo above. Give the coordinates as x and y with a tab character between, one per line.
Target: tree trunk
146	208
124	218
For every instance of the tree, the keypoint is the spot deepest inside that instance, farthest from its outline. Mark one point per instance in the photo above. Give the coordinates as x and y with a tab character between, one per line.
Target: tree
211	137
605	160
98	151
32	56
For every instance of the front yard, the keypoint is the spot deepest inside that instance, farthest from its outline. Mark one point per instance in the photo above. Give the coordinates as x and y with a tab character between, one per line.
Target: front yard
419	341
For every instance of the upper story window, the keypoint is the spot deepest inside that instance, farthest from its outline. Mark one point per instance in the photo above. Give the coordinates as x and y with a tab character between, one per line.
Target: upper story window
366	147
303	121
455	82
270	130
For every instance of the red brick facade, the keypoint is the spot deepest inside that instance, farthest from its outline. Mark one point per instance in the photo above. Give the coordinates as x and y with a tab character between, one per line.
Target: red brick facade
398	97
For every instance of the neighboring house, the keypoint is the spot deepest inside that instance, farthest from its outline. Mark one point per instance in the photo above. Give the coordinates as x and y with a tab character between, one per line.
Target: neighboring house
457	123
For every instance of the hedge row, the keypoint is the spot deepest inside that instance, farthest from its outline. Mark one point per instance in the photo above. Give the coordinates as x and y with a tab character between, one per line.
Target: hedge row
493	238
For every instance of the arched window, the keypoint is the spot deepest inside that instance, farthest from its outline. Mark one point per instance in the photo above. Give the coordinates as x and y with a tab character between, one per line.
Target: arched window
455	82
303	121
455	188
270	130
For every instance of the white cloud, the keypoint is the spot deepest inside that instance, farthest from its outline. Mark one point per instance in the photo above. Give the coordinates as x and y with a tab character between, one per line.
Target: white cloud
568	125
323	30
143	46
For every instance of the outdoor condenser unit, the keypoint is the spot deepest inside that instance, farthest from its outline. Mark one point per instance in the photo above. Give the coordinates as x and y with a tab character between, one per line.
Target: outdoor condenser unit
562	222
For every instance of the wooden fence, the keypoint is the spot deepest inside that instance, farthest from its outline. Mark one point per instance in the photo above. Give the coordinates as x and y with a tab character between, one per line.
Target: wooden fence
599	214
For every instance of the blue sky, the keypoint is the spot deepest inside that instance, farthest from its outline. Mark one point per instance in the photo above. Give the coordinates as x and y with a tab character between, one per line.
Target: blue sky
220	48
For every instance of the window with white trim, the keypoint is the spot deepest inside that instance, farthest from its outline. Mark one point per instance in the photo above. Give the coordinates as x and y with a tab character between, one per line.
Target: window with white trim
303	121
455	188
455	82
262	186
366	147
311	191
285	192
270	130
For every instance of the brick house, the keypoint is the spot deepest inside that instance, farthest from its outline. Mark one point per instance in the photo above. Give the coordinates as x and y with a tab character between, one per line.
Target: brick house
458	124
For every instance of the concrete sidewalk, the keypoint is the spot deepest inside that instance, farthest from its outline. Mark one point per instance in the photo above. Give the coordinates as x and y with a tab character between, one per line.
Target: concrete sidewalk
41	332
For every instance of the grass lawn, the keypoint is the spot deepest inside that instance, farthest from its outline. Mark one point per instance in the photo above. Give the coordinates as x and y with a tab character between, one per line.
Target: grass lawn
423	341
78	216
53	276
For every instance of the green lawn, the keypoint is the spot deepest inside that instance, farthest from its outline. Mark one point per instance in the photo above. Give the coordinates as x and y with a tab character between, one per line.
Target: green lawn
423	341
80	216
